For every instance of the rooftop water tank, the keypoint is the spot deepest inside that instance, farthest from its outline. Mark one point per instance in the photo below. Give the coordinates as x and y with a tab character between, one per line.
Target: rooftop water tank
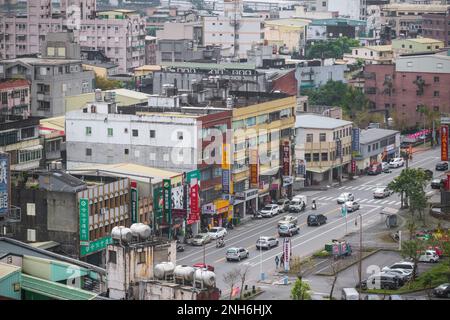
121	233
208	278
163	269
140	230
184	272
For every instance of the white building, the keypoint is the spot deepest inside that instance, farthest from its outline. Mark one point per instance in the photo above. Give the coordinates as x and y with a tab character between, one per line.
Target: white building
352	9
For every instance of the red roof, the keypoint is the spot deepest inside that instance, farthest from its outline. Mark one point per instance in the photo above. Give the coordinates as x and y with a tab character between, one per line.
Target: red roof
13	83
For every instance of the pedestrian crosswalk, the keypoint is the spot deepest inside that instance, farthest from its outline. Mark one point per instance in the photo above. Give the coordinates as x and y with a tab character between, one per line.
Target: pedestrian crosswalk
361	188
362	201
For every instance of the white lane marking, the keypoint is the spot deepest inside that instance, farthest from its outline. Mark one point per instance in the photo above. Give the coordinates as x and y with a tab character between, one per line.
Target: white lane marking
371	200
362	200
392	202
357	200
397	203
321	198
377	201
385	201
342	188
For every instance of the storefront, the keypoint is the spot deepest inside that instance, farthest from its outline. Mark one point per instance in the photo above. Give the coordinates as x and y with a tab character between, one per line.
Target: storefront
215	214
247	200
286	189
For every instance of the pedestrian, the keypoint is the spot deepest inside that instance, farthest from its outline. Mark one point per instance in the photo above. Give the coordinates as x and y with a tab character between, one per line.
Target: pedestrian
277	260
282	261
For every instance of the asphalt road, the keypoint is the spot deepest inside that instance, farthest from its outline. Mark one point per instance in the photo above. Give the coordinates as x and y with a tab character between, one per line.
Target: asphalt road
310	239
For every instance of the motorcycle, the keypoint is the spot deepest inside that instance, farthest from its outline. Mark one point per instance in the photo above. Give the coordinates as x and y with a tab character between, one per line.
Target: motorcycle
180	247
314	206
220	244
230	226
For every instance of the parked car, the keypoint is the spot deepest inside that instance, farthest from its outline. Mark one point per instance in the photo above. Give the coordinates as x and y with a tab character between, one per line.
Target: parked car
298	203
316	219
384	281
201	239
349	294
288	229
344	197
442	291
283	204
372	297
217	232
437	183
352	206
395	297
437	249
441	166
396	162
374	169
403	275
270	210
237	254
266	243
429	256
204	266
405	265
384	166
382	193
288	219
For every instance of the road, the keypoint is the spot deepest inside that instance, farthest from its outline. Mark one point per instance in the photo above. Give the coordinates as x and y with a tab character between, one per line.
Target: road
310	239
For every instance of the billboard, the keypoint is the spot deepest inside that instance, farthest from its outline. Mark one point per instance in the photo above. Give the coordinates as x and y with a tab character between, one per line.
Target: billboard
301	167
158	204
194	214
134	202
444	142
353	166
84	219
286	252
286	159
226	181
254	172
167	200
355	139
5	183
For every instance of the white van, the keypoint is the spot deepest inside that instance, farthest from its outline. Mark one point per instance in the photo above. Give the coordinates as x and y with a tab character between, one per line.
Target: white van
349	294
298	203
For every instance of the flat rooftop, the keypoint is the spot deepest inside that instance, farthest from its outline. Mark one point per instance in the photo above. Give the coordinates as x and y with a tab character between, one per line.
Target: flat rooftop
312	121
375	134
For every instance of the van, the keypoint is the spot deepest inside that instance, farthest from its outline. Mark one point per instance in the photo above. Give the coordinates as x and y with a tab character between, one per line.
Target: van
298	203
349	294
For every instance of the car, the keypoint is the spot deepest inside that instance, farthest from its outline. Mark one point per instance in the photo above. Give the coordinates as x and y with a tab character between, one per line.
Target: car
266	243
437	183
288	219
384	165
374	169
349	294
344	197
382	192
288	229
395	297
316	220
429	256
236	253
372	297
396	163
201	239
298	203
441	166
352	206
201	265
381	281
403	275
438	250
442	291
405	265
270	210
217	232
283	204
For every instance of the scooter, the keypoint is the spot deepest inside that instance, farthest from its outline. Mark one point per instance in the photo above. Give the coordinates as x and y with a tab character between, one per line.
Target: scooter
314	206
220	244
180	247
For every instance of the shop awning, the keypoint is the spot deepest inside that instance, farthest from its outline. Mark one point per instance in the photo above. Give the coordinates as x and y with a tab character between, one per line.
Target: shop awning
270	172
318	170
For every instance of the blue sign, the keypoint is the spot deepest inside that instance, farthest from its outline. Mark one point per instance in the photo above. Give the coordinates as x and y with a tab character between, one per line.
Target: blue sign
225	181
4	183
301	167
355	139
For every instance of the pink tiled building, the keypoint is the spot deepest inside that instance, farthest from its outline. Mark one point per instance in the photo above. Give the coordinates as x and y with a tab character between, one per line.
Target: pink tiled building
15	97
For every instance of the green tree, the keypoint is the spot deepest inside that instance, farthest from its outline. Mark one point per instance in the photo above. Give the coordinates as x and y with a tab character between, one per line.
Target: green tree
412	249
411	183
430	116
331	48
300	290
106	84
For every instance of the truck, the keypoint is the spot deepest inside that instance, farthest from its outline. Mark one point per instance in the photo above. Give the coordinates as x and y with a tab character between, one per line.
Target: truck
298	203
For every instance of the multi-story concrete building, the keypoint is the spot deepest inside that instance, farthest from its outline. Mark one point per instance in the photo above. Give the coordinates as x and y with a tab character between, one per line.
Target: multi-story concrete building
317	141
15	97
352	9
185	51
151	48
289	34
416	45
315	76
414	81
437	26
371	54
324	29
53	77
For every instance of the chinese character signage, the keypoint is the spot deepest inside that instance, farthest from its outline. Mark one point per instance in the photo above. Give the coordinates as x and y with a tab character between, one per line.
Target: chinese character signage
286	159
5	183
301	167
158	204
84	219
95	246
167	203
195	210
226	181
444	142
134	205
254	162
355	139
353	166
286	252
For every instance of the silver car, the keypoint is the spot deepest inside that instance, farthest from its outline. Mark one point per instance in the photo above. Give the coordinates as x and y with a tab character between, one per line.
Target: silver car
201	239
266	243
344	197
270	210
288	219
288	229
382	193
352	206
237	254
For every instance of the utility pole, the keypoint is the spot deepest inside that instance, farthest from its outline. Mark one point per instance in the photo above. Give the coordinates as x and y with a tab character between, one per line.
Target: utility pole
204	253
360	252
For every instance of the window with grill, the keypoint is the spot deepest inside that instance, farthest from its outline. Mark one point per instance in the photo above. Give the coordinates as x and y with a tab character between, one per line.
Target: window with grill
324	156
323	137
309	137
112	256
315	156
308	157
135	133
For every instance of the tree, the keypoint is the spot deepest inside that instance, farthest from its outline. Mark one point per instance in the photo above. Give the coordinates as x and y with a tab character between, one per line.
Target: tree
106	84
243	272
300	290
430	116
412	249
334	48
411	182
231	278
335	268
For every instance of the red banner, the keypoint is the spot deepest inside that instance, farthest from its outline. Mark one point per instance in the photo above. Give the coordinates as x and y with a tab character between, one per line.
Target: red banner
353	166
195	208
254	174
286	159
444	142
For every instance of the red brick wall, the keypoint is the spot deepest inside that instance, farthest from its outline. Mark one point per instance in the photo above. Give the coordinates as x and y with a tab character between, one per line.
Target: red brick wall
286	83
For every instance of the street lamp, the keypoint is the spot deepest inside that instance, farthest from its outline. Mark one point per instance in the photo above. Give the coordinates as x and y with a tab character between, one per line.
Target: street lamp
360	251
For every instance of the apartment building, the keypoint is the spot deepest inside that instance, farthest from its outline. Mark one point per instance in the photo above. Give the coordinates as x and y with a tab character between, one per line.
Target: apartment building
15	97
371	54
416	45
437	26
289	34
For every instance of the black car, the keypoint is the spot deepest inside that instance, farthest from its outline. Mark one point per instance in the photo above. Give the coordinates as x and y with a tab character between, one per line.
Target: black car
384	281
442	166
442	291
316	219
437	183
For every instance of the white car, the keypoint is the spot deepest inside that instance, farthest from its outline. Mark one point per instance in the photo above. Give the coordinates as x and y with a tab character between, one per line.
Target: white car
429	256
352	206
404	265
382	193
344	197
396	162
266	242
288	219
217	232
236	254
270	210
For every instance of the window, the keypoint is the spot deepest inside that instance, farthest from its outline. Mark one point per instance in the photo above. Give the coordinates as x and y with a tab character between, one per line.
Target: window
88	131
324	156
309	137
135	133
180	135
368	148
250	122
436	108
31	209
436	94
110	132
27	133
436	79
31	235
262	118
112	256
141	257
308	157
152	133
322	137
315	156
88	152
127	151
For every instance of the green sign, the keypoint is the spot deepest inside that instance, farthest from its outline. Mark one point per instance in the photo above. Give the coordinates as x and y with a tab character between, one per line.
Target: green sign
344	211
134	205
95	246
167	190
193	175
84	219
158	204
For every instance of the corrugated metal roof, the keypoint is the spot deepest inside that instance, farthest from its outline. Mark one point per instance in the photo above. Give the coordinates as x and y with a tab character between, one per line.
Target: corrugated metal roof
313	121
7	269
219	66
375	134
423	40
